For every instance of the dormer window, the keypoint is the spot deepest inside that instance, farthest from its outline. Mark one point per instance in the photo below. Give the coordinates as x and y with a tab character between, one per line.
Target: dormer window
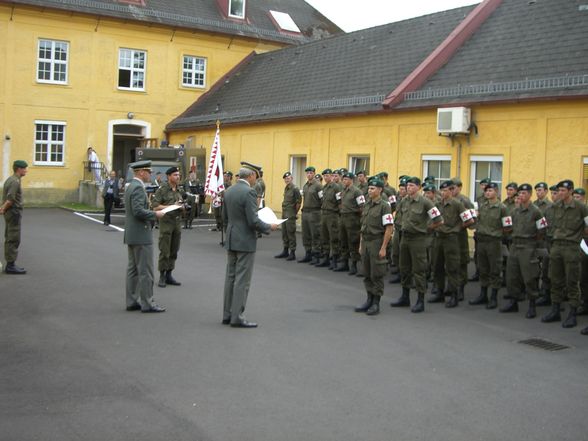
284	22
237	8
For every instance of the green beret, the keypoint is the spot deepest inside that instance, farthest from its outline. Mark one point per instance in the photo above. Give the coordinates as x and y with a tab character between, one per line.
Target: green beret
541	185
580	191
485	181
376	182
429	178
446	184
413	180
349	175
457	181
338	172
525	187
310	169
171	170
19	163
285	175
429	187
403	181
383	174
553	188
327	171
401	177
361	172
493	185
566	183
512	185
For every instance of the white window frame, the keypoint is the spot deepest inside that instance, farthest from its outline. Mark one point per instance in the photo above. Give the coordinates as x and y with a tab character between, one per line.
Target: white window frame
52	61
353	160
193	72
242	17
132	69
298	180
49	142
482	158
425	160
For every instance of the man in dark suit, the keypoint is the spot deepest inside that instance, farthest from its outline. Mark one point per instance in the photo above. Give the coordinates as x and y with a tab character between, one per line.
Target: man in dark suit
240	217
138	223
110	195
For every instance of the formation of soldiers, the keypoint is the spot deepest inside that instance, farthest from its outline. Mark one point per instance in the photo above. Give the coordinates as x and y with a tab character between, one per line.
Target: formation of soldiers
527	243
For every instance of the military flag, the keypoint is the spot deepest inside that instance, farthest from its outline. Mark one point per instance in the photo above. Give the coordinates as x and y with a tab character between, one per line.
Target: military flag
214	178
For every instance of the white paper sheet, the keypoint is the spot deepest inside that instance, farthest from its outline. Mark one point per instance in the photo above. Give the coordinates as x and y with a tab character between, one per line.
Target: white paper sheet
170	208
267	215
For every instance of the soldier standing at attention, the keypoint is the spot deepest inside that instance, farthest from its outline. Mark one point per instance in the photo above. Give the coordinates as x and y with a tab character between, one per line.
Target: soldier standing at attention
580	196
522	267
330	221
570	225
352	201
170	226
430	192
543	204
397	235
464	245
311	217
446	253
362	183
290	206
492	219
11	208
376	231
416	213
479	201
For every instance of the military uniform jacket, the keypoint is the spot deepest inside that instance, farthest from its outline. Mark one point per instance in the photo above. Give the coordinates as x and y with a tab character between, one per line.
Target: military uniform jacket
490	219
138	217
165	195
240	216
510	205
371	220
398	217
569	220
450	210
349	204
415	217
543	204
465	201
13	192
330	202
524	224
363	188
312	199
292	198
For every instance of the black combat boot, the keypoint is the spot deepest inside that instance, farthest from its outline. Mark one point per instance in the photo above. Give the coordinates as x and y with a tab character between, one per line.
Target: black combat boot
475	277
161	282
395	278
482	299
333	263
511	306
316	259
570	321
460	293
531	312
11	268
419	306
584	331
343	266
283	254
437	296
307	257
353	268
325	263
545	299
493	303
582	309
366	305
375	308
553	315
291	256
169	279
359	270
403	300
453	300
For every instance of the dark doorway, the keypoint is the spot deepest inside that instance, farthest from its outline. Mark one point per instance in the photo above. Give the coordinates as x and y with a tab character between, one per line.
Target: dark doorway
126	139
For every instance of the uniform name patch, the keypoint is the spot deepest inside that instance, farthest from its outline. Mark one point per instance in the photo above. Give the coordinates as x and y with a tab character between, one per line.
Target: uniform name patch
360	200
320	194
507	221
466	216
387	219
541	223
392	199
434	212
338	196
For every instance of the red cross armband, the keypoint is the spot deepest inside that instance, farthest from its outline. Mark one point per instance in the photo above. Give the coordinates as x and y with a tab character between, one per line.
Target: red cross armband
320	194
360	199
507	221
392	199
434	213
338	196
541	223
466	216
387	219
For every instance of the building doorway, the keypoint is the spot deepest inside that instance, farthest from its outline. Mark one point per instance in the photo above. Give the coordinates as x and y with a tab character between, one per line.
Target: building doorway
125	137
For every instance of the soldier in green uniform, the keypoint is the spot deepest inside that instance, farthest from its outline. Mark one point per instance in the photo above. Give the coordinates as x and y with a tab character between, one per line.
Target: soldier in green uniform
389	192
11	208
522	268
376	230
580	196
362	183
430	192
491	225
570	226
544	204
311	217
395	253
510	204
446	253
170	227
290	206
464	244
192	188
330	221
479	201
417	212
352	201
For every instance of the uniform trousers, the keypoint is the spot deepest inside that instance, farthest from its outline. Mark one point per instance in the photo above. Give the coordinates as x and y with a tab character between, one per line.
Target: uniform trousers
311	223
396	245
170	233
330	233
564	271
490	261
289	231
447	261
374	267
139	283
522	271
237	282
349	236
464	255
413	261
12	220
544	263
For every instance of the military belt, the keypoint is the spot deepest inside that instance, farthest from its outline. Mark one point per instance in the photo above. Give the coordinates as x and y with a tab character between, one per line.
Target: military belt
486	238
524	241
410	235
564	242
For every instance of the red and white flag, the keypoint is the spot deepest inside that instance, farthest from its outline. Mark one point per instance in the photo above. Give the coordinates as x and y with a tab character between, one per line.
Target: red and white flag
214	179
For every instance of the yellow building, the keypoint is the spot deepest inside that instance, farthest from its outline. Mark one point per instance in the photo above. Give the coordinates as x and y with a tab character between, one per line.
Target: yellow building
514	74
110	74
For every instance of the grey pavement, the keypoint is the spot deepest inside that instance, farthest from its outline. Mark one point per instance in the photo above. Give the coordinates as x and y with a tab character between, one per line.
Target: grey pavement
74	365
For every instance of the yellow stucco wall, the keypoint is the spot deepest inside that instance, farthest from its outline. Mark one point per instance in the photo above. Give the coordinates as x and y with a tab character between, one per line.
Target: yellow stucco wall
91	98
537	141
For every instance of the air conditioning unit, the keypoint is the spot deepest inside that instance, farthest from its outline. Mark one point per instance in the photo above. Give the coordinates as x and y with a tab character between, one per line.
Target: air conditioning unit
453	120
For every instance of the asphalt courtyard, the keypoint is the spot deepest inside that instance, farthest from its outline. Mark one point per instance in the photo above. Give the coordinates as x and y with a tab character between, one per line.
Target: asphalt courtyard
74	365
